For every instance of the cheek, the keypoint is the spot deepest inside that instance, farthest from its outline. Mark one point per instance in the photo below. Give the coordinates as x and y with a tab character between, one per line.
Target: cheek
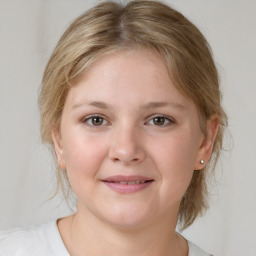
176	153
83	157
175	157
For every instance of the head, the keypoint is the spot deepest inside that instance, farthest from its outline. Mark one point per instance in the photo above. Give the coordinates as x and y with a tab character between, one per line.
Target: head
111	27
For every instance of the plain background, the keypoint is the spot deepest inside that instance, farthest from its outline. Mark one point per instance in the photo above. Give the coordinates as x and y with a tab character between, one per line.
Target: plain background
29	29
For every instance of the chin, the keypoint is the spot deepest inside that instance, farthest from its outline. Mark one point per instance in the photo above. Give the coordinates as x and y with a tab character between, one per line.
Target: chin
130	218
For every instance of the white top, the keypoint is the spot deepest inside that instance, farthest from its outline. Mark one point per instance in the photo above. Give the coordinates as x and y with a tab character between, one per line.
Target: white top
46	240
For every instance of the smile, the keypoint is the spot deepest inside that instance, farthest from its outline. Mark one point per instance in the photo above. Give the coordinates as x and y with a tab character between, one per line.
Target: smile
127	184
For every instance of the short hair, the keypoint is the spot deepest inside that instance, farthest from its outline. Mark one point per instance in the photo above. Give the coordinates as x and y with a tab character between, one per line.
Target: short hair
110	27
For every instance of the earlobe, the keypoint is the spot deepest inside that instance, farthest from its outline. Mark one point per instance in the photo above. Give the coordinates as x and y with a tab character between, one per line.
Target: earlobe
58	148
206	146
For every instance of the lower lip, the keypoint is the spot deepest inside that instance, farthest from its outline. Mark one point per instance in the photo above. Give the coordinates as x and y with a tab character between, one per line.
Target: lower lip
128	188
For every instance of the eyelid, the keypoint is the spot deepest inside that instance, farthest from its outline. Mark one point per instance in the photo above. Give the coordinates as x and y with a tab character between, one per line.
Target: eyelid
171	120
86	118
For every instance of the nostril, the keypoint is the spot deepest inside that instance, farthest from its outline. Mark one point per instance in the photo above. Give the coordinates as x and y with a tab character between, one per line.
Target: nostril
126	151
116	159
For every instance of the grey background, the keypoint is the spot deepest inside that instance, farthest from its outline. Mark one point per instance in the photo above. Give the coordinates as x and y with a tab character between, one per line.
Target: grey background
28	32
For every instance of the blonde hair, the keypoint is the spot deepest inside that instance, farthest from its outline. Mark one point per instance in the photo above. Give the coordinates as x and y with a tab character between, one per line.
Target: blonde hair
109	27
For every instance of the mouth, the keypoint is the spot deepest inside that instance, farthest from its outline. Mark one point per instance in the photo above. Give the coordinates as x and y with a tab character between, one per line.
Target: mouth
127	184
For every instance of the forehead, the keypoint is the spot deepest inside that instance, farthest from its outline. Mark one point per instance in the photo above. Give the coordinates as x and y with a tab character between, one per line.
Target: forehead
139	74
134	62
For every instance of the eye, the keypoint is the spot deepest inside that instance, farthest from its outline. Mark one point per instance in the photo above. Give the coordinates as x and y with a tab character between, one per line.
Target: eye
95	120
160	121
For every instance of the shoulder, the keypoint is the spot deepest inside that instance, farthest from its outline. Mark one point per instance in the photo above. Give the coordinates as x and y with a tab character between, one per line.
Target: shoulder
35	240
194	250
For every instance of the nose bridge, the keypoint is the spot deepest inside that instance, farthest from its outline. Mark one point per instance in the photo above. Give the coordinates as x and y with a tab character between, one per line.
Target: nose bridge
126	144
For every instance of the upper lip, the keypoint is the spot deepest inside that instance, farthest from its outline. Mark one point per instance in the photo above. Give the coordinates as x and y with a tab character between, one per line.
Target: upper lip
120	178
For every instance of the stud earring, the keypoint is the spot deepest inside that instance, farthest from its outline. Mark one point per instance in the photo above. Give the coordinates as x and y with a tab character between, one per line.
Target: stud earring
202	161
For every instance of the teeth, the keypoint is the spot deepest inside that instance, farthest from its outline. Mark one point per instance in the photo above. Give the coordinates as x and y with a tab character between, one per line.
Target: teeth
131	182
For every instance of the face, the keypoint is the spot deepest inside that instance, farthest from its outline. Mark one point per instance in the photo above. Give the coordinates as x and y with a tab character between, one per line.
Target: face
129	140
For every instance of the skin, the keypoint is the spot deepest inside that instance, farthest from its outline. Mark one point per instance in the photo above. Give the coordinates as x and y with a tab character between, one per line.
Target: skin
133	136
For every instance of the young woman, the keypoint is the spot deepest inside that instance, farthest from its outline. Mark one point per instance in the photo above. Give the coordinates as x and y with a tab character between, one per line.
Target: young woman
130	103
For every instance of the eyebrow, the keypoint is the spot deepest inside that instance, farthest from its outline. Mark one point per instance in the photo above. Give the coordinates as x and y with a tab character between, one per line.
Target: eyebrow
163	104
97	104
150	105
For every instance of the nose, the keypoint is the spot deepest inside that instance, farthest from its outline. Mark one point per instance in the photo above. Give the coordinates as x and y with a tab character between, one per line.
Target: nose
127	146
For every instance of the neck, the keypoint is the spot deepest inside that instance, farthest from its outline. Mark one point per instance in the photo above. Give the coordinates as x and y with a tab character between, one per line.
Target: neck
87	235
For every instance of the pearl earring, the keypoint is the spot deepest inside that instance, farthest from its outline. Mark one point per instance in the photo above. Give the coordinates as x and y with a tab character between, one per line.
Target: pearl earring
202	161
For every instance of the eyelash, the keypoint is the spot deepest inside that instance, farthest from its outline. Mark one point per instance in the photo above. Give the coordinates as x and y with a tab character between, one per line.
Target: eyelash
166	119
89	120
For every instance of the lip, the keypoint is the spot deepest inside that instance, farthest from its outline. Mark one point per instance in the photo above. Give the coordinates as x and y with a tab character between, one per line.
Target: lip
127	184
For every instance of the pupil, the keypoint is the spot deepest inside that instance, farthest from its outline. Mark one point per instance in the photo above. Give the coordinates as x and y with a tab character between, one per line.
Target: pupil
159	120
97	120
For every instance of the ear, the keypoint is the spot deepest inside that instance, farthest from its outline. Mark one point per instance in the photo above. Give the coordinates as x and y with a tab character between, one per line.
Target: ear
207	143
56	137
